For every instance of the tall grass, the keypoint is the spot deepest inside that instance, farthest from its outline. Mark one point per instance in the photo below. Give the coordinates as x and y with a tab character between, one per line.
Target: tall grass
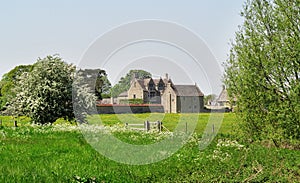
60	153
170	121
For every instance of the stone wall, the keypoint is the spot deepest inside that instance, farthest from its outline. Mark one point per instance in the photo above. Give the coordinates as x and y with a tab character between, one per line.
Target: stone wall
136	91
190	104
169	100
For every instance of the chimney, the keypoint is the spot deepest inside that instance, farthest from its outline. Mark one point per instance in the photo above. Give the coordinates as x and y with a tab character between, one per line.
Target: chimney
134	76
167	76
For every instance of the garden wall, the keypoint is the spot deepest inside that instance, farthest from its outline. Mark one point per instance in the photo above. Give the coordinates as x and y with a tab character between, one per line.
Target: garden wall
132	108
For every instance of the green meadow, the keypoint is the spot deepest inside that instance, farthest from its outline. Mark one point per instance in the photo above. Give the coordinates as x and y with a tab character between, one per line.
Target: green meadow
60	153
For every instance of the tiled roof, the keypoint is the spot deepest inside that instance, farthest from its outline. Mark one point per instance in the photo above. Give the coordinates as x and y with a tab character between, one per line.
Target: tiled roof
142	83
187	90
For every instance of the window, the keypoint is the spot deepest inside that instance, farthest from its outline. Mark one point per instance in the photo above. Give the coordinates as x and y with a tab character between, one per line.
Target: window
151	87
134	96
160	87
152	94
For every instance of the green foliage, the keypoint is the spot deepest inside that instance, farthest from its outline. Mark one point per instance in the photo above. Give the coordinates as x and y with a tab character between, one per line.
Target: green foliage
48	90
105	85
83	96
209	98
45	93
8	121
105	95
132	101
9	81
124	83
263	71
97	81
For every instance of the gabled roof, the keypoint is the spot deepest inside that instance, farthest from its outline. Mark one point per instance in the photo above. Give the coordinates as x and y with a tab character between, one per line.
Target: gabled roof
142	84
223	97
187	90
147	81
124	94
156	81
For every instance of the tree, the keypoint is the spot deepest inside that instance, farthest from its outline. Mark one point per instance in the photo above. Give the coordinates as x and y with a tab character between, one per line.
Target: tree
105	87
102	86
45	93
263	70
124	83
8	82
97	81
209	99
83	96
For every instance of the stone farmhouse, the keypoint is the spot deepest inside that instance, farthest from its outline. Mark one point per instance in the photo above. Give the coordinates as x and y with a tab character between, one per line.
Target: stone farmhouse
223	100
173	98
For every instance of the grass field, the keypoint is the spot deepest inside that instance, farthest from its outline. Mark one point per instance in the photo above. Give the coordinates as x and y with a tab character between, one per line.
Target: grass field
60	153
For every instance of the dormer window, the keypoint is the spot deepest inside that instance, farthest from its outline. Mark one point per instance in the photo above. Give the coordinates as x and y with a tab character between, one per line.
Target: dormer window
151	86
160	86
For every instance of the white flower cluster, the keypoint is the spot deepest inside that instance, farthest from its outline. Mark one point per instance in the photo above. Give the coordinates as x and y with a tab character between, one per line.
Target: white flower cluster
221	152
54	128
219	155
229	143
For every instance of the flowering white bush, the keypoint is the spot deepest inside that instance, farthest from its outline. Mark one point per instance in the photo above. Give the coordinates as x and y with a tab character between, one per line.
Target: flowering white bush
45	93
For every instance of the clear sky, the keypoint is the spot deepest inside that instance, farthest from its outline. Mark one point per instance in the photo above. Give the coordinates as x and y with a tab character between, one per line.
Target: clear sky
34	28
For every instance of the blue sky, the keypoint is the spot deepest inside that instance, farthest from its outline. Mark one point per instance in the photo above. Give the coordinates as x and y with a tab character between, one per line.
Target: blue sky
33	28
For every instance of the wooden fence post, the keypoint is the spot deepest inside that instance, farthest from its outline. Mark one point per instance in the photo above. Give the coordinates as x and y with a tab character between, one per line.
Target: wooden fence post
186	127
147	125
0	122
159	126
16	123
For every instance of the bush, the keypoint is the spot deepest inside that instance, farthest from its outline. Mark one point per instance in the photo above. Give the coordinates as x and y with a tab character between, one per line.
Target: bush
263	70
131	101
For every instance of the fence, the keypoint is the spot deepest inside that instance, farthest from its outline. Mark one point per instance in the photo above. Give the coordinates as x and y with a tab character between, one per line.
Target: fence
146	126
15	123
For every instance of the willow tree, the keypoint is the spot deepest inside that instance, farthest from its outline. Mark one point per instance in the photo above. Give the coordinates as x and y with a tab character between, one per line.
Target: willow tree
263	70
